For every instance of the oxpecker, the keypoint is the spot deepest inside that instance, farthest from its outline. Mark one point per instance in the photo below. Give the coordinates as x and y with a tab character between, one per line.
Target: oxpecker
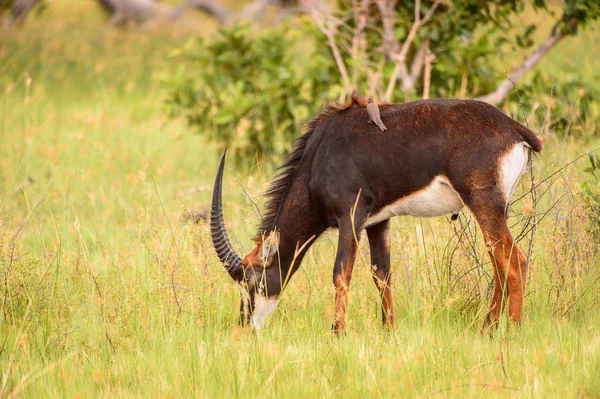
373	111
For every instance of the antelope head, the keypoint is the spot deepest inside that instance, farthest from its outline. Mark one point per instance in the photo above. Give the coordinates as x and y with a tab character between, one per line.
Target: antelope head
258	273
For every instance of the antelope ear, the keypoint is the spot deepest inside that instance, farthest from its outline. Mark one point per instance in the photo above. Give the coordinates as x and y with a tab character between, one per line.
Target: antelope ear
269	248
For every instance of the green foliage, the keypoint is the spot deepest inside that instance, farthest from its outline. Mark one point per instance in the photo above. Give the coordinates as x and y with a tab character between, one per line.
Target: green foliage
253	91
248	91
571	106
573	96
581	12
466	70
464	35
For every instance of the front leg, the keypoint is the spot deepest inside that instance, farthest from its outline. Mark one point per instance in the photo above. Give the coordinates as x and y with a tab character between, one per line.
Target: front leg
342	270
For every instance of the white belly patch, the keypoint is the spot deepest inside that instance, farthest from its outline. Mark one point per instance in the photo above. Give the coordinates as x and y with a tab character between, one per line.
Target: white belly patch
437	199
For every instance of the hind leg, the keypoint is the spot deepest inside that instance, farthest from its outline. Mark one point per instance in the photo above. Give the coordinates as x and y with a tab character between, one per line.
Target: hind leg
510	274
379	244
509	263
499	298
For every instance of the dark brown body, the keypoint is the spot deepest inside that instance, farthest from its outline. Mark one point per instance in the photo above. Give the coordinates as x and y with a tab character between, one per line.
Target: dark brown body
346	165
424	139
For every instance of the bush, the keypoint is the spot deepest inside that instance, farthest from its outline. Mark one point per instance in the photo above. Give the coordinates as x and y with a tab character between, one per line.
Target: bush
248	91
253	91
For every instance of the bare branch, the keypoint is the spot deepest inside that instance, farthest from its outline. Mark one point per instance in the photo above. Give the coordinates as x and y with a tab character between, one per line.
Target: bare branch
256	9
429	58
409	78
462	92
327	24
500	94
374	76
210	7
416	25
140	11
418	60
400	68
359	43
391	46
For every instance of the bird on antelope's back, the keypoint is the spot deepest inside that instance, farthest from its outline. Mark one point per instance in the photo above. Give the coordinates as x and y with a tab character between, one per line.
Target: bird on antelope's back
373	111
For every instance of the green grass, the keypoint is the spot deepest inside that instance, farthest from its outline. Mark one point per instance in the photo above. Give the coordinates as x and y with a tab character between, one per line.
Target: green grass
108	291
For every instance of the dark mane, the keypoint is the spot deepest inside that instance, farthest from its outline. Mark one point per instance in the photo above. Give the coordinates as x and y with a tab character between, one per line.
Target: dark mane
279	188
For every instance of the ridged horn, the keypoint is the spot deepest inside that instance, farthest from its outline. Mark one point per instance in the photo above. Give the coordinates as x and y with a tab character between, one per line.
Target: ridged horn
227	255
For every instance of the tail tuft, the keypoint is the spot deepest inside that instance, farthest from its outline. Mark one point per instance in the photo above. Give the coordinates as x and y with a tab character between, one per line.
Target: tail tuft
535	142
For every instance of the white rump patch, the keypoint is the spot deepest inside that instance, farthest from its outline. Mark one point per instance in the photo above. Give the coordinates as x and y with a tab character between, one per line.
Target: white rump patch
512	167
437	199
263	308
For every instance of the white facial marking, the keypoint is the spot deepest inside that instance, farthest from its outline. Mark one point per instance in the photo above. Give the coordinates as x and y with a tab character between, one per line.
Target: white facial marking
438	198
263	307
512	167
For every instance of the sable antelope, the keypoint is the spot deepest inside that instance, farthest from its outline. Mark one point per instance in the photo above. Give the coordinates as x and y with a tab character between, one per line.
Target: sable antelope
436	157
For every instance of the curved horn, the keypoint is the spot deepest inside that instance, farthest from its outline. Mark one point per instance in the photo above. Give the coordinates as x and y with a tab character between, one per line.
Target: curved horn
231	260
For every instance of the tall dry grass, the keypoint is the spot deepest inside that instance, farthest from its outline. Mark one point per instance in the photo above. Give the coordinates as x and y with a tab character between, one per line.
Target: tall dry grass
107	289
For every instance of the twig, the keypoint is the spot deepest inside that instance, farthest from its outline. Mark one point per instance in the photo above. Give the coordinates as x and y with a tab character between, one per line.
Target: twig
251	200
518	97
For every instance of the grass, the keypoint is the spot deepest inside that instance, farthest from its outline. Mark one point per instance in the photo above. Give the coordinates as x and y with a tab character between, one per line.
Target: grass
108	291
